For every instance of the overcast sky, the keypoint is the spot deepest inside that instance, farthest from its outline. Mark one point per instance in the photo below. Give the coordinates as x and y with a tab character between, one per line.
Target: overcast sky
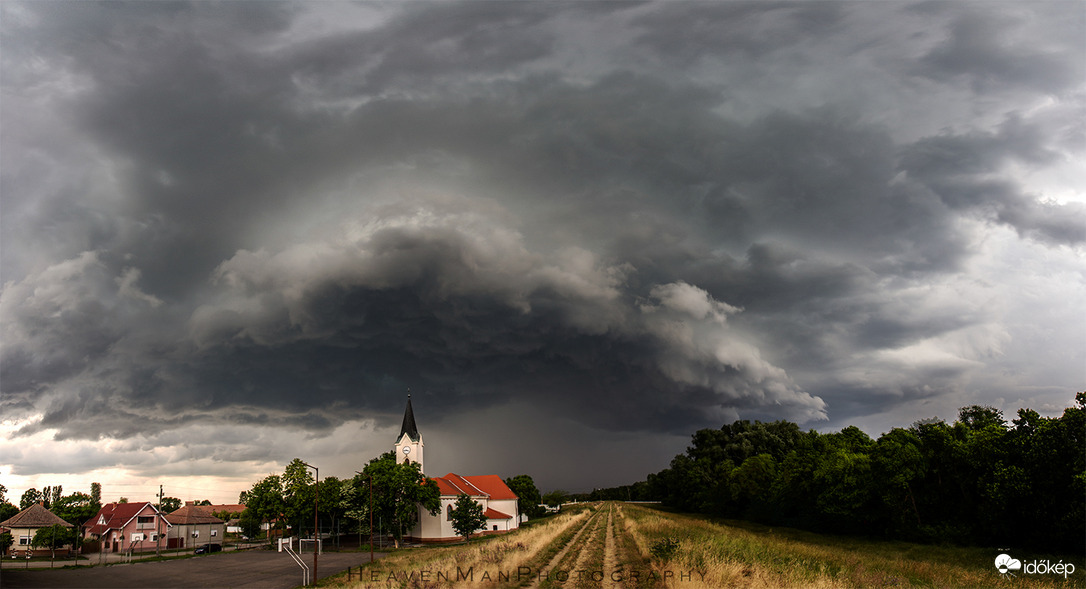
234	234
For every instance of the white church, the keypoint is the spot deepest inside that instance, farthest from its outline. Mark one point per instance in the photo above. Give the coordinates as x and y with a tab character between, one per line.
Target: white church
488	490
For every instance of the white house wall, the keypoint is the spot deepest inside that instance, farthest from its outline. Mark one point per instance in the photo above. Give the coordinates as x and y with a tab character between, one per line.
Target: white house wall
438	527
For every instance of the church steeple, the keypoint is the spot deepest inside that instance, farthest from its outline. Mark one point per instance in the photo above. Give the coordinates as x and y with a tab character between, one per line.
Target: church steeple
409	426
409	444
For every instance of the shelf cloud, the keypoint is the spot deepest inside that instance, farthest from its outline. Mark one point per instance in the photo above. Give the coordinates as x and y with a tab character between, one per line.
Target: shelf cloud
636	219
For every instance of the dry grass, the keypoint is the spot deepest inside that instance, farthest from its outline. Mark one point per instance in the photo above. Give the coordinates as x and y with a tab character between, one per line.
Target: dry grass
714	554
487	562
710	554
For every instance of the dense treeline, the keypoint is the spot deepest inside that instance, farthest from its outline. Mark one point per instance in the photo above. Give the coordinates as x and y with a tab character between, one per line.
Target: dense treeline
979	480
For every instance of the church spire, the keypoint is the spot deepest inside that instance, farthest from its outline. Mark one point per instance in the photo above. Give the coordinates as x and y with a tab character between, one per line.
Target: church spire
409	444
409	426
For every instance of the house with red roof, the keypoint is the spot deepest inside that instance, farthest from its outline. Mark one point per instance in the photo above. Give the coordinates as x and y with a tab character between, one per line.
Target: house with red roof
499	503
122	527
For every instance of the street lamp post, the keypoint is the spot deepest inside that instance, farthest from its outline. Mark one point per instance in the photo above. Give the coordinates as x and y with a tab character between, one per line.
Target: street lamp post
316	528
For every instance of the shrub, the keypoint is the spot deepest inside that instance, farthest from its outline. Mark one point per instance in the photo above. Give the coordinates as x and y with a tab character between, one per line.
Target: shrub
664	549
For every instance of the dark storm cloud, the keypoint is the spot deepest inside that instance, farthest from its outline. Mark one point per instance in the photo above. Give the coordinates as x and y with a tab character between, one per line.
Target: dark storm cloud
686	32
992	52
264	222
962	169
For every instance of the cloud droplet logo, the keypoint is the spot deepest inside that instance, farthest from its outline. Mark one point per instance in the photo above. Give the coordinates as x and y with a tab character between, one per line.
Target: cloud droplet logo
1005	564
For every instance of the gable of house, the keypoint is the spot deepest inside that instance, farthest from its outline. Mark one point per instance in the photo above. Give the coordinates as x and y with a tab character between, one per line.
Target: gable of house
121	516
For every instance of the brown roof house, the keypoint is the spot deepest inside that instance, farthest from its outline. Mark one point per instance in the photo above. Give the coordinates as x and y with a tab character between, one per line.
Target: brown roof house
25	524
193	525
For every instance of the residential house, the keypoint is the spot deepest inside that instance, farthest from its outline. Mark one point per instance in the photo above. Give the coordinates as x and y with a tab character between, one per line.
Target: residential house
498	501
194	525
131	527
25	524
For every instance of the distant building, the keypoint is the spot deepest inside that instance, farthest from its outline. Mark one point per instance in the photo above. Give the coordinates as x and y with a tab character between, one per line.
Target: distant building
23	525
499	503
194	525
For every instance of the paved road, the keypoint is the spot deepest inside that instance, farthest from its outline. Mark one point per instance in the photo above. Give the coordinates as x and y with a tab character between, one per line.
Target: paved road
253	569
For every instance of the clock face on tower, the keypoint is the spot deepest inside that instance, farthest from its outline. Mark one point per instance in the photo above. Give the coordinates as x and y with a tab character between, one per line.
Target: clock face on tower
406	450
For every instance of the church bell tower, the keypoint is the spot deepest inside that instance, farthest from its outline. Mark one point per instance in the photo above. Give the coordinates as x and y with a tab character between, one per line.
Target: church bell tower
409	443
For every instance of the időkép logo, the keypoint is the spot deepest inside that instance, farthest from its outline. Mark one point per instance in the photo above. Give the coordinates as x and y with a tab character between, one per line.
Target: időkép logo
1007	566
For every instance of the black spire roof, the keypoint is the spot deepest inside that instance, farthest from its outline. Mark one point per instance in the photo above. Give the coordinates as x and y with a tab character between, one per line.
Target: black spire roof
409	426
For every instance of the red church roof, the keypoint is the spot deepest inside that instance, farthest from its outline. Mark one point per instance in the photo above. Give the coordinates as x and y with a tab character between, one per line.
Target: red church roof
487	485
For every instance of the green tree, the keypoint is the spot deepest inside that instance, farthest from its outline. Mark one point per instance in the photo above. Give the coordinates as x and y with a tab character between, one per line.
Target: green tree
751	481
265	501
250	523
399	490
75	508
7	510
6	540
169	504
298	495
53	537
528	497
555	498
96	495
30	497
900	469
467	516
332	500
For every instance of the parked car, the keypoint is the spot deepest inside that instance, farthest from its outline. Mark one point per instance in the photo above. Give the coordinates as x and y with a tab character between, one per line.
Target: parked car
206	548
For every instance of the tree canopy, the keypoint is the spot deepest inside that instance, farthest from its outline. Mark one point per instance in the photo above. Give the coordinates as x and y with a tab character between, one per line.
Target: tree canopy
398	491
467	516
978	480
528	498
53	537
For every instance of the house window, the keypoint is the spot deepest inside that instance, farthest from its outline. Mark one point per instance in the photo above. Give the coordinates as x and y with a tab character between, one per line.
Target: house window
495	527
448	513
145	522
214	533
24	540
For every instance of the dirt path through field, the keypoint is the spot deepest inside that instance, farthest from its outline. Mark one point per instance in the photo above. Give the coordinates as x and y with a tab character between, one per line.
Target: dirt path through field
610	557
589	555
552	564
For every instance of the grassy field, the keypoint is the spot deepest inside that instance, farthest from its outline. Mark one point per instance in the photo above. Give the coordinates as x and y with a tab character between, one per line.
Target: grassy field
630	546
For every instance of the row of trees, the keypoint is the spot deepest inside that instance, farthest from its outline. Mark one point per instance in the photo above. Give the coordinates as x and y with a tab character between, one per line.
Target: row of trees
289	499
978	481
74	509
397	491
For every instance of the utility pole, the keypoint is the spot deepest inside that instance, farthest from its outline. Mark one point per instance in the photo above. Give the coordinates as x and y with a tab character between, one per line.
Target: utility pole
316	528
158	517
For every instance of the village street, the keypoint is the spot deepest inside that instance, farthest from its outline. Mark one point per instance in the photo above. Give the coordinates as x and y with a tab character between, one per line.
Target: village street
254	569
